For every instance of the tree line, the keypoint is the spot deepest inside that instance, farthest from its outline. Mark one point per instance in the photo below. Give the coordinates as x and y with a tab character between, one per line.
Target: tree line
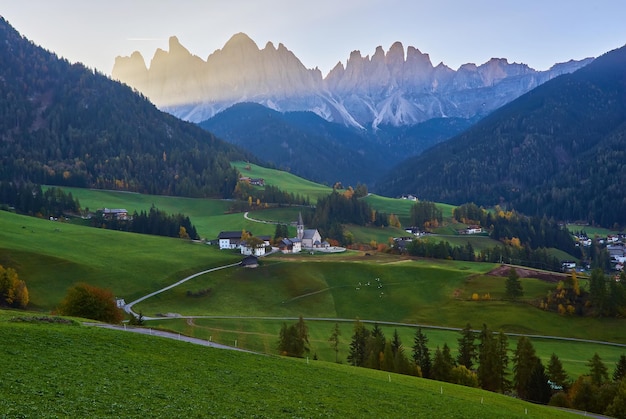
27	198
155	222
483	359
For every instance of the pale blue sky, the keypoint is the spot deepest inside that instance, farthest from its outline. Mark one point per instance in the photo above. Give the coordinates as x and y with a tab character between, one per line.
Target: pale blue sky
322	32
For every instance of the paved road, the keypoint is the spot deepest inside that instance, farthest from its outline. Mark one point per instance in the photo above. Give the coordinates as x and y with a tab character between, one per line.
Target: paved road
129	307
169	335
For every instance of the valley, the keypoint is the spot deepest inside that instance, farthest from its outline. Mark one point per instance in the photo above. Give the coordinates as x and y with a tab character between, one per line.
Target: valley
475	217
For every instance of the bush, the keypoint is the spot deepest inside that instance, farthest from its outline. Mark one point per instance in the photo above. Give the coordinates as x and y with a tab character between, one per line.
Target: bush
84	300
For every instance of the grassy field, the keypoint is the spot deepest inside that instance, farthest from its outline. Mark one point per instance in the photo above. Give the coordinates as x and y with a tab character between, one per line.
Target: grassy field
209	216
59	370
52	256
262	336
285	181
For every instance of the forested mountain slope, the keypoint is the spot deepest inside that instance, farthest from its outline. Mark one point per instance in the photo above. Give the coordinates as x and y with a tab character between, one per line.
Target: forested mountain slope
64	124
558	150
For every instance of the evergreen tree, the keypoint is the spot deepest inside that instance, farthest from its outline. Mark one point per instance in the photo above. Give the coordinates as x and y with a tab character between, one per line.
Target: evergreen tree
538	388
467	347
396	344
597	370
442	364
357	354
620	369
502	347
524	361
421	355
556	373
375	348
334	340
493	360
513	286
597	290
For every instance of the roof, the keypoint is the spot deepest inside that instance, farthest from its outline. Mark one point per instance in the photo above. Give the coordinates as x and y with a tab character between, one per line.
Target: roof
309	234
114	211
250	260
230	235
265	238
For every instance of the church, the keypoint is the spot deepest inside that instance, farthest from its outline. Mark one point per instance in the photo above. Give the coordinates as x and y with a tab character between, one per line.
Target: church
310	238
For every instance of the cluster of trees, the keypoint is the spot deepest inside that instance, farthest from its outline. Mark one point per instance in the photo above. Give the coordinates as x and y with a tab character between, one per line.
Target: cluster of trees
64	124
336	209
293	340
27	198
155	222
484	360
270	194
606	296
13	291
84	300
370	349
538	258
425	214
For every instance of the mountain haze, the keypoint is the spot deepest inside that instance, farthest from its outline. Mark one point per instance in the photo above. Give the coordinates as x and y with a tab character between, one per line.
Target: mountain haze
394	88
559	149
63	124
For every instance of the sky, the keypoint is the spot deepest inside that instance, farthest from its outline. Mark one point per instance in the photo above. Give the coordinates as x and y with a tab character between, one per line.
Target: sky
322	33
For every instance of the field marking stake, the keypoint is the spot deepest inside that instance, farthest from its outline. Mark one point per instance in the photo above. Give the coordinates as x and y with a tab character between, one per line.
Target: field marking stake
441	390
389	375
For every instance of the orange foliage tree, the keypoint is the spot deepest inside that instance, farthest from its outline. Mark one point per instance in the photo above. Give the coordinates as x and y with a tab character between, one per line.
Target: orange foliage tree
84	300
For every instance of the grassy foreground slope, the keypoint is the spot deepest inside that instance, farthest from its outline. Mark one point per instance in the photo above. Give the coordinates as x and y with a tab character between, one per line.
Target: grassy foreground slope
53	370
52	256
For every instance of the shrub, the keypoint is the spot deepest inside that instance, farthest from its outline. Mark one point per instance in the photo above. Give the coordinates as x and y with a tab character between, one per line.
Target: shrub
84	300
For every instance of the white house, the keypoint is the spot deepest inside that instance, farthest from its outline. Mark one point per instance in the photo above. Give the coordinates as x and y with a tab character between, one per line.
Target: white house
229	239
252	251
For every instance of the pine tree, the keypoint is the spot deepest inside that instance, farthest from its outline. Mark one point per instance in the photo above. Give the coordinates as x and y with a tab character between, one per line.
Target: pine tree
334	340
421	355
513	286
620	369
524	360
357	355
538	388
443	363
597	370
556	373
467	347
488	374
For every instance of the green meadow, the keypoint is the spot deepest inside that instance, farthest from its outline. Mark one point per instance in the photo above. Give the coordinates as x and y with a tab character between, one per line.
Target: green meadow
284	180
261	335
51	256
67	370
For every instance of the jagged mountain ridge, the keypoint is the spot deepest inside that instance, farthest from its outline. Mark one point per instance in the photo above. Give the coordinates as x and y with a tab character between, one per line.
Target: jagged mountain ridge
558	150
396	88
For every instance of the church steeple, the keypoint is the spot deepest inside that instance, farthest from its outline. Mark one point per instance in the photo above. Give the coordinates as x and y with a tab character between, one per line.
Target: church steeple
300	227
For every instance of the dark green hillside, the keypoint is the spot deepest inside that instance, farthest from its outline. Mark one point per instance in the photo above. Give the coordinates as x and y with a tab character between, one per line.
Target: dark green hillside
64	124
299	142
556	150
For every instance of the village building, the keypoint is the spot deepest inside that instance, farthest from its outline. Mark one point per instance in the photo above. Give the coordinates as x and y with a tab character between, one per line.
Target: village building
229	239
310	238
250	262
115	214
293	245
247	249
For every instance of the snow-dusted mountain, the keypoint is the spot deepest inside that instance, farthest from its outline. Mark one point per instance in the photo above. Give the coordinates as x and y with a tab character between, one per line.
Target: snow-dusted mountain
395	88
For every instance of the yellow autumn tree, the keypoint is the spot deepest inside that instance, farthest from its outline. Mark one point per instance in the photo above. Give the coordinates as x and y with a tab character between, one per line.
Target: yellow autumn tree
13	291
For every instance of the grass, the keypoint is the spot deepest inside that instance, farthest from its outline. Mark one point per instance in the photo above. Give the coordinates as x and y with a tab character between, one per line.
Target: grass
89	372
52	256
284	180
262	336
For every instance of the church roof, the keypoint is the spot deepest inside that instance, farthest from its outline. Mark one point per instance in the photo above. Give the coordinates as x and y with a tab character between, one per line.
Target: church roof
309	234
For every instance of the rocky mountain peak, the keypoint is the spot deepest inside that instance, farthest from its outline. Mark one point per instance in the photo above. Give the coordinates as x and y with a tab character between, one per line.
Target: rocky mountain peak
396	87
